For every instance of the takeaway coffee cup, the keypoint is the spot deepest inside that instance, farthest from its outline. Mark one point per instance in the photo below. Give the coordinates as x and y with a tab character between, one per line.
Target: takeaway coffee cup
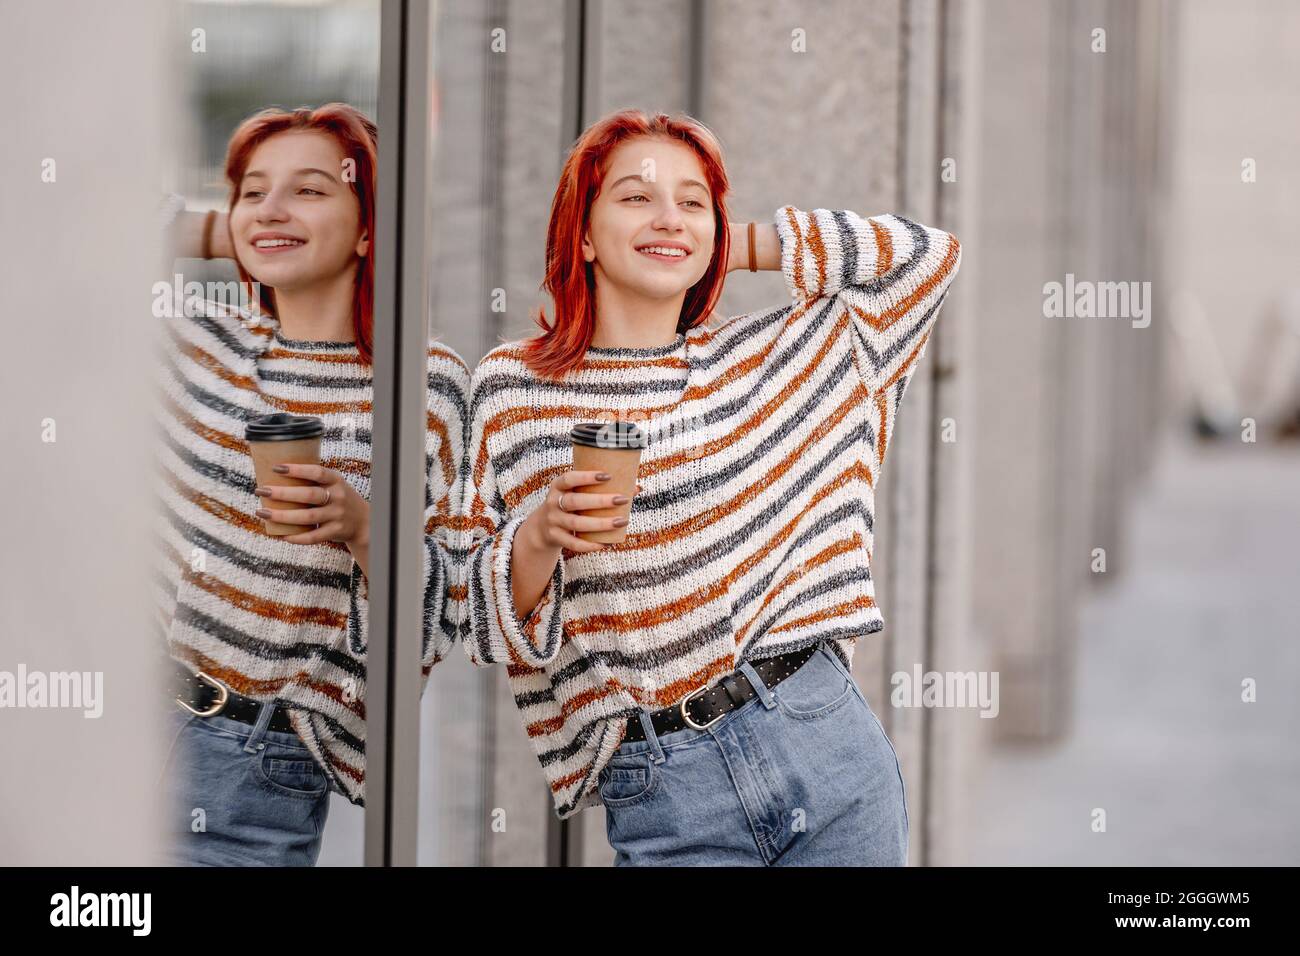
613	447
273	439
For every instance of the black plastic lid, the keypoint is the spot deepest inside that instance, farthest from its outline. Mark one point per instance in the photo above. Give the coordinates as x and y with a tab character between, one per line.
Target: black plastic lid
283	427
616	434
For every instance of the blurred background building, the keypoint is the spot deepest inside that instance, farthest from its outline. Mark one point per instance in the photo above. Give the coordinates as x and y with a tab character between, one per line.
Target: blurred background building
1099	510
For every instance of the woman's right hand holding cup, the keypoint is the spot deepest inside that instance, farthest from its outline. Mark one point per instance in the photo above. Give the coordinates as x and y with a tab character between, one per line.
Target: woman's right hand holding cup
555	527
551	531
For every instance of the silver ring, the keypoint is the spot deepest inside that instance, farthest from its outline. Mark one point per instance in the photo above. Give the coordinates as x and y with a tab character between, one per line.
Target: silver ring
327	497
562	508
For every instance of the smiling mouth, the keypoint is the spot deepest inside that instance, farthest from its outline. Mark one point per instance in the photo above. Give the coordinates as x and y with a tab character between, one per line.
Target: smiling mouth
277	245
663	253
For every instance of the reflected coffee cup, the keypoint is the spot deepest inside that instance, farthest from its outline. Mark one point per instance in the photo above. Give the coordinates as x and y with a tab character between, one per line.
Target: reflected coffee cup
289	439
614	447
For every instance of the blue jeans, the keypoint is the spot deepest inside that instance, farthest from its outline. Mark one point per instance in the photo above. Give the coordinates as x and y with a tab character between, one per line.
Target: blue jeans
237	794
801	775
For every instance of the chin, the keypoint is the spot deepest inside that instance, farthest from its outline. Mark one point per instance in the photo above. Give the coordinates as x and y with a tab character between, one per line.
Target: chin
663	290
285	280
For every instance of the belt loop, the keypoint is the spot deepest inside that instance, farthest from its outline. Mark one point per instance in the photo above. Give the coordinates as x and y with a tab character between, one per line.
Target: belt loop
764	693
264	714
648	726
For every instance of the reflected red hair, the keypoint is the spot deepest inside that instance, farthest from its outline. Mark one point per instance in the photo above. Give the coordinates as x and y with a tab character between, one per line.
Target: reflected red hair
358	138
570	279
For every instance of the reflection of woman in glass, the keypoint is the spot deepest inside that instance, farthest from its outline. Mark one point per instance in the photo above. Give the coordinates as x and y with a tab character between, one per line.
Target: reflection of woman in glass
695	678
269	634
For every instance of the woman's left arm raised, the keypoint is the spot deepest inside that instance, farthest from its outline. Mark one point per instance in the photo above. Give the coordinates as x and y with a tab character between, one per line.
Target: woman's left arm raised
889	273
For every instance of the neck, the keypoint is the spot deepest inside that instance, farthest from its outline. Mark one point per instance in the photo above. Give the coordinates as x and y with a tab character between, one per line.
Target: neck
321	312
634	322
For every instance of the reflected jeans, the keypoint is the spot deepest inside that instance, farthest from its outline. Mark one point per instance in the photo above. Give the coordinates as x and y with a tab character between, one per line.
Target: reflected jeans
237	794
801	775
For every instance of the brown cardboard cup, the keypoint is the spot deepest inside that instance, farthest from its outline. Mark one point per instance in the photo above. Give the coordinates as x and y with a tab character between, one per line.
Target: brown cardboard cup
283	438
614	447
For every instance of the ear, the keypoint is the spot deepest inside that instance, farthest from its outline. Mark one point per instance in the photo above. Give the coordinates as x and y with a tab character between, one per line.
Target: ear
588	250
363	245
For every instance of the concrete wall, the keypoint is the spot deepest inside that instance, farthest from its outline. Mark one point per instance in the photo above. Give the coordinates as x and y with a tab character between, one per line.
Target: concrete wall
81	169
1071	153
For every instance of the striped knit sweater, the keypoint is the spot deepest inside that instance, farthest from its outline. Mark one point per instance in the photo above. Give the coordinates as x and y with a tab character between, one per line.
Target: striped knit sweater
274	620
754	530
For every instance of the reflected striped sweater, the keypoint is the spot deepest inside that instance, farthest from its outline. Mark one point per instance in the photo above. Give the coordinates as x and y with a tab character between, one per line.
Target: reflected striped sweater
274	620
753	533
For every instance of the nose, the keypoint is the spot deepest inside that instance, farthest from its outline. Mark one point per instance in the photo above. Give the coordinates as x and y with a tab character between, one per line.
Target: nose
271	208
669	217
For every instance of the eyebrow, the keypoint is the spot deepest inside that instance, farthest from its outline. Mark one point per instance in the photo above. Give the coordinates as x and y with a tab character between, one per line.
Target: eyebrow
638	178
298	172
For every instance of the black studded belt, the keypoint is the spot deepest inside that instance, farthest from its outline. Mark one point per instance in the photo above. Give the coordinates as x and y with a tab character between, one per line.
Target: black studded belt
703	707
205	696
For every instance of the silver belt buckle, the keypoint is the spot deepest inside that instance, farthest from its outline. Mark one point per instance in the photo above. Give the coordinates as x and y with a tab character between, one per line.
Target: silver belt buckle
220	702
686	714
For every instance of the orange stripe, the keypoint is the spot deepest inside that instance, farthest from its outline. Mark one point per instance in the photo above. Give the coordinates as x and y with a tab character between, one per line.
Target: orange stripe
275	352
206	432
891	315
317	408
450	468
830	614
214	365
271	610
798	252
884	248
834	550
882	429
568	707
818	250
570	779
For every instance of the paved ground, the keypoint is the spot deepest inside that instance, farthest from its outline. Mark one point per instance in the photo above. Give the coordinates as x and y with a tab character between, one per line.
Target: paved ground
1187	772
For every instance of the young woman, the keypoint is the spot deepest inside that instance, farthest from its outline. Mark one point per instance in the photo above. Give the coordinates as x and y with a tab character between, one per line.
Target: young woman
695	678
268	634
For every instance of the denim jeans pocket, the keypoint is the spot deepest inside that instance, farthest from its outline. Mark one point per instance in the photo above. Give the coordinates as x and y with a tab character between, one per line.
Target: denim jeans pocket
290	775
815	690
626	780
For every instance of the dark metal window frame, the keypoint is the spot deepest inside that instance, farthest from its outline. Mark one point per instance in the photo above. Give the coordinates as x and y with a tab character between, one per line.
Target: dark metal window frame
397	480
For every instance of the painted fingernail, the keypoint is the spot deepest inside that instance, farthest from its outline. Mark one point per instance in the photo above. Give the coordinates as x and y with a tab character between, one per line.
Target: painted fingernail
281	469
621	499
263	513
619	522
262	492
602	476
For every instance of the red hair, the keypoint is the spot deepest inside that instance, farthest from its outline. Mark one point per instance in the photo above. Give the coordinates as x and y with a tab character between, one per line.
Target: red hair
570	279
358	138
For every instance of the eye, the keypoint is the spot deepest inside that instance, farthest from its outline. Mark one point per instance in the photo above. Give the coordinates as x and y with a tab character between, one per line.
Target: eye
251	192
696	202
637	196
308	189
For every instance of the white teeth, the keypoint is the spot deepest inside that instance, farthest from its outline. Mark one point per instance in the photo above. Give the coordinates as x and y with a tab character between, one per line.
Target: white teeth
663	250
270	243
